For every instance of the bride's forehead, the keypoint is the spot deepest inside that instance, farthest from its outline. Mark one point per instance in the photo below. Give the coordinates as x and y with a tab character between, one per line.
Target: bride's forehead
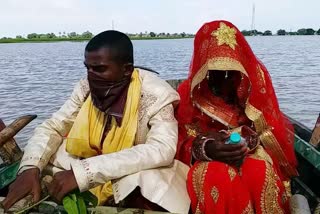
220	72
223	70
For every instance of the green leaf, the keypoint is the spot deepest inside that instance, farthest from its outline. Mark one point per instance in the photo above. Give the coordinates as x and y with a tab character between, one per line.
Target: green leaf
77	202
81	205
70	205
90	198
73	196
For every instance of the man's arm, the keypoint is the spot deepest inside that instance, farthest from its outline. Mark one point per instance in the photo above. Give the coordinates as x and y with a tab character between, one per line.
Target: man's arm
49	135
45	141
159	150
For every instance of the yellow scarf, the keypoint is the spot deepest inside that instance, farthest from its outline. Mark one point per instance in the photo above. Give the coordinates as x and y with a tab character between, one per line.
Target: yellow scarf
84	139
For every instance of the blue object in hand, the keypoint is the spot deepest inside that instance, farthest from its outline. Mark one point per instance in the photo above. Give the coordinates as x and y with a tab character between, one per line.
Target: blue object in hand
235	138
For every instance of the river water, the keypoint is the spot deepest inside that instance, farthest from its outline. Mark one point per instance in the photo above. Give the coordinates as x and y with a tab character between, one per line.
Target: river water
36	78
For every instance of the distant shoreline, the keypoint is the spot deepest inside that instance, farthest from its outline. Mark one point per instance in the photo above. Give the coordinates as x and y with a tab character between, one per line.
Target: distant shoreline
59	39
10	40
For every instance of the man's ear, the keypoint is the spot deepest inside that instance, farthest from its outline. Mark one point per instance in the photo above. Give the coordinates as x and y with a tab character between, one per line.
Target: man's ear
128	69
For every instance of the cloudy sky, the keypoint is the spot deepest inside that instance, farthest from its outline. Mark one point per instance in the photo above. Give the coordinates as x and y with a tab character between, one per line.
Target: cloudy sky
20	17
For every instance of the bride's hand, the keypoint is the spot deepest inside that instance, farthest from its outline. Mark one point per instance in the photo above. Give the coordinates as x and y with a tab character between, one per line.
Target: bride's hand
216	149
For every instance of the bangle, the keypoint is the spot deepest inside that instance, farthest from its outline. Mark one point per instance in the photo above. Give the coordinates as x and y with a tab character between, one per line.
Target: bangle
203	148
198	149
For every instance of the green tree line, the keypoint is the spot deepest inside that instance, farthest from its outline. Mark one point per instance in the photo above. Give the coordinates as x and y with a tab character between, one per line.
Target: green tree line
281	32
73	36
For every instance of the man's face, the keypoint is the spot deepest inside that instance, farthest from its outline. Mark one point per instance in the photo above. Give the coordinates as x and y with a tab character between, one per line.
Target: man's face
103	63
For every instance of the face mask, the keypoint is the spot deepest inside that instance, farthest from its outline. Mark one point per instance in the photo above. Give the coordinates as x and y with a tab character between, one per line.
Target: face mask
103	92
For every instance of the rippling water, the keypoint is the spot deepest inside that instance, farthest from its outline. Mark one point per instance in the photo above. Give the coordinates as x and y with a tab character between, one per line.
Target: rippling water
36	78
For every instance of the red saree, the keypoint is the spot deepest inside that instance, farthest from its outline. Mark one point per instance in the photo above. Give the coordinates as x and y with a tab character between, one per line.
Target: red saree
258	186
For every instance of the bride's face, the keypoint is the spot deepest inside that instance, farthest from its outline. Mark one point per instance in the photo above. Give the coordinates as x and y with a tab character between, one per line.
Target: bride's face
225	84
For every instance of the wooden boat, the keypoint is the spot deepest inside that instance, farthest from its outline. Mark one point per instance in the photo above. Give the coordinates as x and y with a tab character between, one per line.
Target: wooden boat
307	184
308	157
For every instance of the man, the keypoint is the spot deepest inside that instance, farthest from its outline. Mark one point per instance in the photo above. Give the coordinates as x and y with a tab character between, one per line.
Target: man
118	123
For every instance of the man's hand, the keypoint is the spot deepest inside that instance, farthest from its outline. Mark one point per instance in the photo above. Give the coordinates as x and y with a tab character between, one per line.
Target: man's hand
27	183
227	153
63	183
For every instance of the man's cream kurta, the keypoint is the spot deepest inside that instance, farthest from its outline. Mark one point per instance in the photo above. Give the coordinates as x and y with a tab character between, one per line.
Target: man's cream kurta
149	163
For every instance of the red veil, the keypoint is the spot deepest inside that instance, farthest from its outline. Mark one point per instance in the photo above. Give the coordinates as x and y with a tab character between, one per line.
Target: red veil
219	45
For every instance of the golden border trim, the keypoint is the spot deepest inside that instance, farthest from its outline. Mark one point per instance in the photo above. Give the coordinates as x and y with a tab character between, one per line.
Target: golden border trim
270	192
204	110
198	177
268	139
256	116
271	144
218	63
261	154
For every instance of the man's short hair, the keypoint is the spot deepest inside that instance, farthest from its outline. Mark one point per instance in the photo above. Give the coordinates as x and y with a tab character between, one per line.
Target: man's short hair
118	42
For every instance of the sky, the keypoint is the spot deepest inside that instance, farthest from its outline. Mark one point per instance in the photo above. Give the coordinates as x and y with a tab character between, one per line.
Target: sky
21	17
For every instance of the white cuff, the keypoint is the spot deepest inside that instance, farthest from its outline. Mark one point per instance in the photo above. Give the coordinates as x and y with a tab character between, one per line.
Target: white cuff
24	168
28	163
82	175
